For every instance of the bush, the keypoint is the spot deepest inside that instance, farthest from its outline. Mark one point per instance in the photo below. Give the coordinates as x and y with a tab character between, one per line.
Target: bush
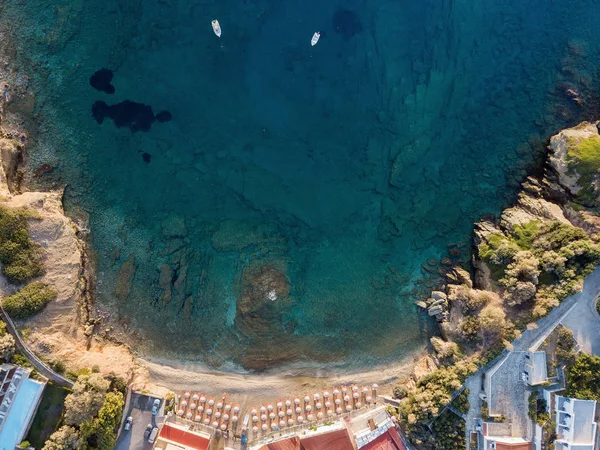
7	347
117	383
28	301
19	255
449	432
59	367
399	392
565	346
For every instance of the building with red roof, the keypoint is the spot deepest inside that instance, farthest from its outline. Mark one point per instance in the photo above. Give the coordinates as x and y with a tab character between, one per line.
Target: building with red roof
175	437
390	440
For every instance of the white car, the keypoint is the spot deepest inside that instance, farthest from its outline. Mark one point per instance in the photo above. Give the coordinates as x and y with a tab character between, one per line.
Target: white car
152	436
155	407
128	423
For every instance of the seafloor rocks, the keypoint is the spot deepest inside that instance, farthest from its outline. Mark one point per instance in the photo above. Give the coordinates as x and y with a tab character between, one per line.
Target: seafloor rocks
124	279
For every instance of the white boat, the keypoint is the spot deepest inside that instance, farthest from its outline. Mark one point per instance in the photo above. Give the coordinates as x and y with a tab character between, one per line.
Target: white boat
315	38
216	27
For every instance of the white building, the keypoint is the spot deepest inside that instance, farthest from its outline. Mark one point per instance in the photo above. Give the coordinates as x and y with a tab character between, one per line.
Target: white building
535	368
19	399
575	426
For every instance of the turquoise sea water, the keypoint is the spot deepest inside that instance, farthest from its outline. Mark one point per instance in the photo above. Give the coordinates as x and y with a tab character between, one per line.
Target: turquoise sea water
322	176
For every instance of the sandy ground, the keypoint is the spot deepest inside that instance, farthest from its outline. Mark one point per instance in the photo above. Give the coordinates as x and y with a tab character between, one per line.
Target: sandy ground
253	390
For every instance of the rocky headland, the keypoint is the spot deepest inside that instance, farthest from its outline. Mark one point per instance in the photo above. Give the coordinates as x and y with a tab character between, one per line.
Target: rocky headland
525	262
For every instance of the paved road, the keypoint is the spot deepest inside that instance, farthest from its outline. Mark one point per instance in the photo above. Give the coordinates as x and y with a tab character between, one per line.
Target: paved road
141	410
33	360
576	313
584	320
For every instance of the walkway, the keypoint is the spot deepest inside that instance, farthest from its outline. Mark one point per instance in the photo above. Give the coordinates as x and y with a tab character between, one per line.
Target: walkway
42	368
574	311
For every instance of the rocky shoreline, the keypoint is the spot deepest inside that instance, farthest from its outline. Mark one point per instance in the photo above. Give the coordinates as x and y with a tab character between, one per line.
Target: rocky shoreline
525	262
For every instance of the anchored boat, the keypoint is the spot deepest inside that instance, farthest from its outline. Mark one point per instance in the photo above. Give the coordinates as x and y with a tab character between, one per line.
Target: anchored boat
315	38
217	27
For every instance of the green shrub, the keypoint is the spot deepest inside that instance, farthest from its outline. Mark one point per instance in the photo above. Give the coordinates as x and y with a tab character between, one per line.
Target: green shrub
117	383
59	366
565	346
19	255
525	234
584	158
449	432
28	301
399	391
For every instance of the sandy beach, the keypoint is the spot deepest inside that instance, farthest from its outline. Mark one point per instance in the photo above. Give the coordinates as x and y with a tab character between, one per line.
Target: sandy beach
252	390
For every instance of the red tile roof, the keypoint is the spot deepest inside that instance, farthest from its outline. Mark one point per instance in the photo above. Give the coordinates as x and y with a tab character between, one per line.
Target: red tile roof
515	446
390	440
292	443
184	437
334	440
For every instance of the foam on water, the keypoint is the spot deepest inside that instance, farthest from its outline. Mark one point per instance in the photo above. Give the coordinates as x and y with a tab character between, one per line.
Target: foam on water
328	174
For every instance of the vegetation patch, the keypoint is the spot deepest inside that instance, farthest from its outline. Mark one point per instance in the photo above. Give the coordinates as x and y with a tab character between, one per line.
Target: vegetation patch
28	301
92	415
20	256
584	158
537	409
583	378
450	431
541	263
48	415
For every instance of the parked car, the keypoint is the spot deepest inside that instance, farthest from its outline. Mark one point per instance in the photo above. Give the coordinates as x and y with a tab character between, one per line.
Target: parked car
153	435
155	407
128	423
148	430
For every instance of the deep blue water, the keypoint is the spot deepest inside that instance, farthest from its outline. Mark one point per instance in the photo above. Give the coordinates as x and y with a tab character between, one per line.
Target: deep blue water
327	174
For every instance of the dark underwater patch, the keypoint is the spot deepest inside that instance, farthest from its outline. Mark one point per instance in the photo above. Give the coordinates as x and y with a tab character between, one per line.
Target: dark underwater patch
346	23
101	81
133	115
163	116
147	157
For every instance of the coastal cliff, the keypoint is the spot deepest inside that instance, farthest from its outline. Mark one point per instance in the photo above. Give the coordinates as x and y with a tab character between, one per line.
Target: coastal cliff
64	330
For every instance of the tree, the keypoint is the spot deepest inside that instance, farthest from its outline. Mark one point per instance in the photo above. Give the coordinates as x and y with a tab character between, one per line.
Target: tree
66	438
102	430
7	347
492	320
583	380
87	398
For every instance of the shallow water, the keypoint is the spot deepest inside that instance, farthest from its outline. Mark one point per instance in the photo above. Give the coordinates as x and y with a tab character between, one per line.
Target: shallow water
323	177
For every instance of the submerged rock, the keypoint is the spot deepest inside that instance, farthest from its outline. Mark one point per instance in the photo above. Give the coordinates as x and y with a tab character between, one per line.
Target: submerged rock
101	81
124	279
346	23
128	114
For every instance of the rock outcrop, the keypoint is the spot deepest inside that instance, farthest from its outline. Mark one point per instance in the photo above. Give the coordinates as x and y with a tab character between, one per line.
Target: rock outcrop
562	156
